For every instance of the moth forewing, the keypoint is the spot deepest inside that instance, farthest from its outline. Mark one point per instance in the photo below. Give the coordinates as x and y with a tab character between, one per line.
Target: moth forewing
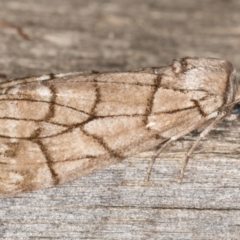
55	128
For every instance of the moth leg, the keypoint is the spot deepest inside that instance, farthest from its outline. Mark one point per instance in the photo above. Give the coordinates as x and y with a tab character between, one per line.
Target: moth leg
201	136
154	158
170	140
181	134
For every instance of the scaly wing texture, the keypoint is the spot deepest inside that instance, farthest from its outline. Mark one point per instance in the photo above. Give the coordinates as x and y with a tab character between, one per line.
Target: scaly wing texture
55	128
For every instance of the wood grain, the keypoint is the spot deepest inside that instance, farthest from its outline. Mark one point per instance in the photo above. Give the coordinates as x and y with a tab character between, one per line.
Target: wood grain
76	35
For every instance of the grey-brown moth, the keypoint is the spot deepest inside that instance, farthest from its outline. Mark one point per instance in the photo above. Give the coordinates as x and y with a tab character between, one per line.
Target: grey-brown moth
57	127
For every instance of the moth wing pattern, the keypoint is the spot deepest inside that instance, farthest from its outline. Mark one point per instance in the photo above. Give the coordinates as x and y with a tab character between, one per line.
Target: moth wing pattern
55	128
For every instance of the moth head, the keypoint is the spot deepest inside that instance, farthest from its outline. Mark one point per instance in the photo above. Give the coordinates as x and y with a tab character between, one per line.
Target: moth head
234	108
235	113
232	94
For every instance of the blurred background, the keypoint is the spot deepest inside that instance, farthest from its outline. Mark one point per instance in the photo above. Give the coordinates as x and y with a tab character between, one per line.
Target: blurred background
39	37
74	35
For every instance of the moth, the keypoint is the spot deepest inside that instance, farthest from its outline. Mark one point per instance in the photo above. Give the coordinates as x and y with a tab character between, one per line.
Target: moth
57	127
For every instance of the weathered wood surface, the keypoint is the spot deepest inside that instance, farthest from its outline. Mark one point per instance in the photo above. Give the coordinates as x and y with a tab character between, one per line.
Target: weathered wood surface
76	35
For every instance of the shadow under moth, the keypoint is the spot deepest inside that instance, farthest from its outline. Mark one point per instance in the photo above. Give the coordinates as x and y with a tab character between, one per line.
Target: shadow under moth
57	127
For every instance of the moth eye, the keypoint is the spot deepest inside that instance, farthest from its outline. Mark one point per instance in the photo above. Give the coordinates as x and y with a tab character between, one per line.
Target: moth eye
236	109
